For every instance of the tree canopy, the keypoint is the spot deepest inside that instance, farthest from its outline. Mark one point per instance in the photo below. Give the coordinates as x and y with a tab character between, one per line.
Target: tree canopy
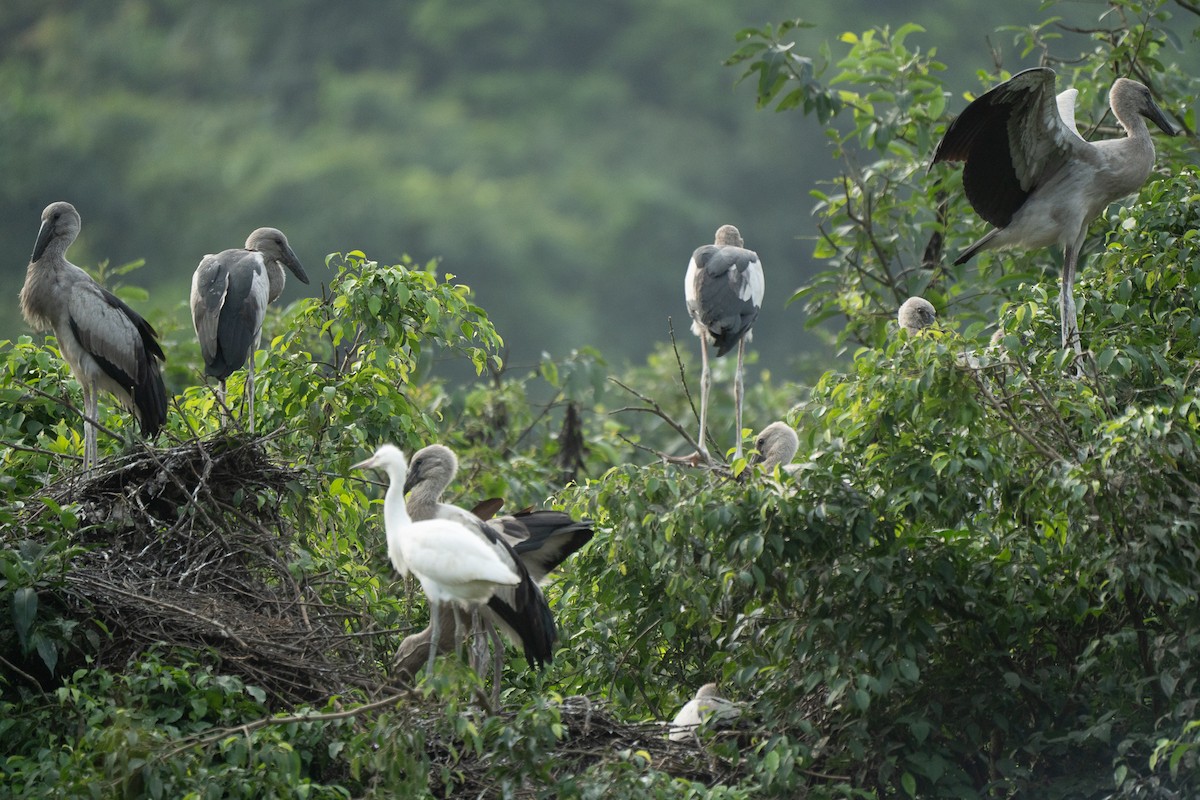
980	578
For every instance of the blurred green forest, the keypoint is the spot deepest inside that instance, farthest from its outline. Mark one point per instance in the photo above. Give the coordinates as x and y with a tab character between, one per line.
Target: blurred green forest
561	159
978	579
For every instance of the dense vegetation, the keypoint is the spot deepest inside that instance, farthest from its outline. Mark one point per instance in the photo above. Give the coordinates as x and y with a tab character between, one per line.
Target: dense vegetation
983	580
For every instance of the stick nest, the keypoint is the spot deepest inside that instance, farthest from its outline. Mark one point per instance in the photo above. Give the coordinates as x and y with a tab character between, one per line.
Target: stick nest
187	548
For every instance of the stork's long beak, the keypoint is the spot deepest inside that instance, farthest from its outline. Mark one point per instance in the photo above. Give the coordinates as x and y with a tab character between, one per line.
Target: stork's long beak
366	464
413	477
293	263
1155	114
43	239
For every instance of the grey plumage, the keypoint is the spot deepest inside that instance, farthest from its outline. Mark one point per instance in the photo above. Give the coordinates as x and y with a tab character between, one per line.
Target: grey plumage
230	293
776	445
106	343
916	314
1030	174
723	288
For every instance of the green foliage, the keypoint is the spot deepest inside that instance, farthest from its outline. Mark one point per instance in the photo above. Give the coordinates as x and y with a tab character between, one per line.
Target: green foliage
980	578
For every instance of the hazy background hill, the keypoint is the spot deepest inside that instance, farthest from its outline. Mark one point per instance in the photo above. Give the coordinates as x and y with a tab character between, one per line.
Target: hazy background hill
562	159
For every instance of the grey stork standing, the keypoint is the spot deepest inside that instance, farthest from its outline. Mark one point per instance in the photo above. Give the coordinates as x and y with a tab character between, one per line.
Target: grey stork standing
106	343
1030	174
724	291
230	293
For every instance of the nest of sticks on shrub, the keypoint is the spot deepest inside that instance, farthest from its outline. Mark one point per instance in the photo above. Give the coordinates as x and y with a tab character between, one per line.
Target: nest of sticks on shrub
186	548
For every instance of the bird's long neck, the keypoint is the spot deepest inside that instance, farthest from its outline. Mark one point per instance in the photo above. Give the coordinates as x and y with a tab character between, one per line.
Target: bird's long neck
275	279
423	499
41	289
394	508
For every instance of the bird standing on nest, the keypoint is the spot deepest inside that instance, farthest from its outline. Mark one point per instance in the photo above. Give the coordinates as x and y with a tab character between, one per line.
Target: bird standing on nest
230	293
451	562
106	343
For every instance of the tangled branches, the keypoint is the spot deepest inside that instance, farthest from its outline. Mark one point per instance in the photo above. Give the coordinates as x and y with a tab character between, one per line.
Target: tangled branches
187	548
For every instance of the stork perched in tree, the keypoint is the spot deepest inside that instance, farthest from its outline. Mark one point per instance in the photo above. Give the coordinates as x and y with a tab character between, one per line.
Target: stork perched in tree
706	707
230	293
776	445
453	564
1036	179
915	314
724	291
534	542
106	343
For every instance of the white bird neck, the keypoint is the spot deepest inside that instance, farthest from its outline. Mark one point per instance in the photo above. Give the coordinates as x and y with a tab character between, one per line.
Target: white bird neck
394	508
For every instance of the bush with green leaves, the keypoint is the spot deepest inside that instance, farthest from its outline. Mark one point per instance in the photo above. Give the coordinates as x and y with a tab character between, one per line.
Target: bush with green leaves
980	578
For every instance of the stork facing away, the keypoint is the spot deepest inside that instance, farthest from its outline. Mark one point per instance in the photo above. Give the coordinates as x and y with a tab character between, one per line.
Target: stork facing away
776	445
724	291
453	564
230	293
533	542
915	314
106	343
1032	175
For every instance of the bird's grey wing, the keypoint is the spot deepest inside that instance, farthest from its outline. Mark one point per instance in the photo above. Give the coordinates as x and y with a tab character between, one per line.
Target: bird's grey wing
728	292
210	285
240	322
1010	138
115	335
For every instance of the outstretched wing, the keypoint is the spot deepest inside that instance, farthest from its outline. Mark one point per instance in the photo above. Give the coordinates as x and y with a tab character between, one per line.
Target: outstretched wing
1012	138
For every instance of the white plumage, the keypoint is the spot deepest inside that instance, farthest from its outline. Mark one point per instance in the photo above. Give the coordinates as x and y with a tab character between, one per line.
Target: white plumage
706	706
452	564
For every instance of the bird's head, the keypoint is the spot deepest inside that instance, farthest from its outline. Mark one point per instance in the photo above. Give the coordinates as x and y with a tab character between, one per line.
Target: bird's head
1131	98
916	314
274	246
388	458
777	442
435	464
59	221
728	235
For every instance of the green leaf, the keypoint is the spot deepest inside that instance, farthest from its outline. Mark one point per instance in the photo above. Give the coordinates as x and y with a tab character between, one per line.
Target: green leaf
24	611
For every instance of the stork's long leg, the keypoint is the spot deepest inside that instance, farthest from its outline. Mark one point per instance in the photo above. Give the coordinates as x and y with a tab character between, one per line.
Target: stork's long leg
250	388
478	647
1070	321
435	634
497	661
90	411
705	385
737	397
458	631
